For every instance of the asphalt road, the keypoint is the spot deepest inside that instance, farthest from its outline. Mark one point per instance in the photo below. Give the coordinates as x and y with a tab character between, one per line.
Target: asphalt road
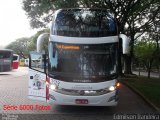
14	88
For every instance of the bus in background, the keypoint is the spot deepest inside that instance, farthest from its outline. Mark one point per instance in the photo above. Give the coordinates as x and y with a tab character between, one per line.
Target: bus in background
81	66
6	60
6	57
15	62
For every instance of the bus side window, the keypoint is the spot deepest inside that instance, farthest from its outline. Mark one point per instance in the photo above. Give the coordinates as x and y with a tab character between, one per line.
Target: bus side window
37	61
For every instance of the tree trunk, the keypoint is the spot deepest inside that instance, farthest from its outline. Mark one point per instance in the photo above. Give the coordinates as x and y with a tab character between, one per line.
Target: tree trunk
159	70
139	69
127	64
149	67
128	58
149	70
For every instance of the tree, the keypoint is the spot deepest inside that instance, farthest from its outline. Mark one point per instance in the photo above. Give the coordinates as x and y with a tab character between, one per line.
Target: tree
20	46
33	41
133	16
154	32
146	53
40	11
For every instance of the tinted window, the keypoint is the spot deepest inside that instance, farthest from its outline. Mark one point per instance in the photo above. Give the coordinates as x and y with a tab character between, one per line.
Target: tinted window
36	61
5	54
84	23
15	57
83	61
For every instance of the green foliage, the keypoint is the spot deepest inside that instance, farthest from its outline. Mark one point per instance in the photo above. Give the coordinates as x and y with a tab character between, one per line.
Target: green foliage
20	46
65	3
40	11
144	50
147	54
33	40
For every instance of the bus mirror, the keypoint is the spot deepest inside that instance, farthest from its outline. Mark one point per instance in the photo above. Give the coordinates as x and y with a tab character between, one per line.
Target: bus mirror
40	41
125	44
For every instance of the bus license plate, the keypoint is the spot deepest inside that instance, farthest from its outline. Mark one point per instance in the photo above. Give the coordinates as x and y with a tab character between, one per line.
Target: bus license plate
81	101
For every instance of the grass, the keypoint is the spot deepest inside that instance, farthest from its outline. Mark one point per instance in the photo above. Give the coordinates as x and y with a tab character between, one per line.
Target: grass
150	88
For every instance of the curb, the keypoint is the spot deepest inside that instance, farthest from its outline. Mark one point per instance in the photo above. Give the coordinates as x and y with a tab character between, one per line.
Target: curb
142	96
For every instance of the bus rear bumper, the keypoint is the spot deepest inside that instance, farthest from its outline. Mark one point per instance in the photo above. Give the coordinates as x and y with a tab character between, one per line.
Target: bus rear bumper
109	99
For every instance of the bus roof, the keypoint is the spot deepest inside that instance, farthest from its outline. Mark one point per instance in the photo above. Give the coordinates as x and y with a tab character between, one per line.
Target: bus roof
6	50
15	54
83	8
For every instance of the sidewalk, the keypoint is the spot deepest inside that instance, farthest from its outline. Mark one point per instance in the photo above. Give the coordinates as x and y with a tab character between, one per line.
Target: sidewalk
156	75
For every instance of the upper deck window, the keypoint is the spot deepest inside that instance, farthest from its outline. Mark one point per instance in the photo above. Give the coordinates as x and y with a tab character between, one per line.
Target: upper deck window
84	23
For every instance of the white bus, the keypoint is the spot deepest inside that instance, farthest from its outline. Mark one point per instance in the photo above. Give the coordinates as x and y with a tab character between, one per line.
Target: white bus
81	67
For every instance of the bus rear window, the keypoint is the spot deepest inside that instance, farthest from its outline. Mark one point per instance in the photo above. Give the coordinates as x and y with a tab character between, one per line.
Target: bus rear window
4	54
15	57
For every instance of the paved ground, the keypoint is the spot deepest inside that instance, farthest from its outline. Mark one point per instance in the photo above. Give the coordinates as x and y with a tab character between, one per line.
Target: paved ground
13	91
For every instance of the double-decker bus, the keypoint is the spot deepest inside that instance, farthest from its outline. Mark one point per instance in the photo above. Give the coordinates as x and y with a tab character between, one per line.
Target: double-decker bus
81	66
8	60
